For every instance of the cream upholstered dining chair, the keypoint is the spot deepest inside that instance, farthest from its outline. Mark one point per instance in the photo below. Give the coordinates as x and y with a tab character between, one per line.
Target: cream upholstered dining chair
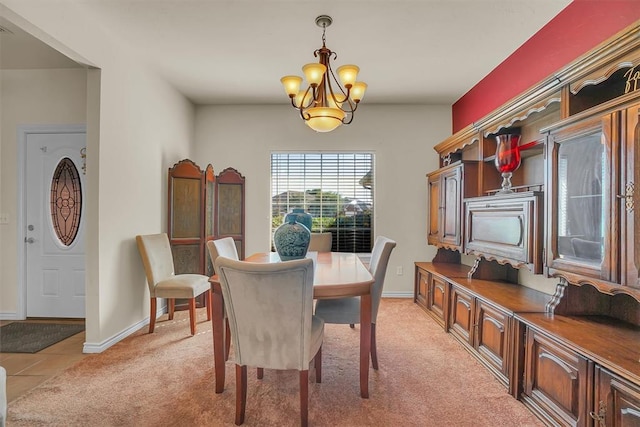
225	247
347	310
270	307
155	251
321	242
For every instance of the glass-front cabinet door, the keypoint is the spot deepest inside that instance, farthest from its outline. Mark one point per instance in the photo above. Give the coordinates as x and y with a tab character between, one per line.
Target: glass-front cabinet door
628	200
593	220
578	196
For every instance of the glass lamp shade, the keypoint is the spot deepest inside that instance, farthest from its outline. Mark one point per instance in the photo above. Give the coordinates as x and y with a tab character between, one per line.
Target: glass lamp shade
302	99
323	119
357	91
291	85
507	158
314	72
348	74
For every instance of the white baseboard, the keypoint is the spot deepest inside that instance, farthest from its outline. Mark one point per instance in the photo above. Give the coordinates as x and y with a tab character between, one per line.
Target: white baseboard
10	316
397	294
102	346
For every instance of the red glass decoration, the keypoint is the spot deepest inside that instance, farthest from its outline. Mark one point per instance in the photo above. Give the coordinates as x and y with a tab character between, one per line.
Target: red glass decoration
507	158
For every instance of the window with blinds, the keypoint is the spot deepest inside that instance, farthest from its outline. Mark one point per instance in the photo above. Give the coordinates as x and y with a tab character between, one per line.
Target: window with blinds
335	188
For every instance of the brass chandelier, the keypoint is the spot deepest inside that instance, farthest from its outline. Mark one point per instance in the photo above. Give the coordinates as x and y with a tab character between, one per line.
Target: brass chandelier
321	107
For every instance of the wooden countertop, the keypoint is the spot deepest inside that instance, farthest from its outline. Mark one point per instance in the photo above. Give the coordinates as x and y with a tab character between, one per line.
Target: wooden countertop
446	270
510	297
608	342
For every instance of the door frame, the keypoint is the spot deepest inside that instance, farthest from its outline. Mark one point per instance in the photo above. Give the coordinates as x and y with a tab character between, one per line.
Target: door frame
23	132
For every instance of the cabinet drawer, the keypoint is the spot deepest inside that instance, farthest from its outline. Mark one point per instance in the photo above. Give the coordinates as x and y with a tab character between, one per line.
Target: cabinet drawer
438	298
506	228
420	292
461	315
557	381
491	341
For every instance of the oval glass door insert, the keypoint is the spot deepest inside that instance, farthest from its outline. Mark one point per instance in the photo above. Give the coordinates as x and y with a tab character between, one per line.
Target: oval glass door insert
66	201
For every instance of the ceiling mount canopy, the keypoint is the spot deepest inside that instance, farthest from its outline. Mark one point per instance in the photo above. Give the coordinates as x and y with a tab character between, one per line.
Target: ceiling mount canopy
327	102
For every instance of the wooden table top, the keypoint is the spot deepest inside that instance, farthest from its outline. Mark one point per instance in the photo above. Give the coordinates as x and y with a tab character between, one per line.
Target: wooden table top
336	274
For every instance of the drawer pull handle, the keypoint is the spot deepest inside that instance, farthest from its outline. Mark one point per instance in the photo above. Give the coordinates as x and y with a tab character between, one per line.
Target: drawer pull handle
628	196
600	416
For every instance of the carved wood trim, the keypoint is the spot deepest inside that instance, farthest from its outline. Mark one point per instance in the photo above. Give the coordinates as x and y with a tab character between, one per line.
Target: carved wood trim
602	286
474	268
500	260
601	60
537	107
447	256
631	60
458	141
556	297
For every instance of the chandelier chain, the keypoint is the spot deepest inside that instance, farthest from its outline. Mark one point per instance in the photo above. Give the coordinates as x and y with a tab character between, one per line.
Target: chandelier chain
324	39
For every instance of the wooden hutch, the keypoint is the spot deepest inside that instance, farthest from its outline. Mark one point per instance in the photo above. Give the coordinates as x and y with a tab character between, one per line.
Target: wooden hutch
573	357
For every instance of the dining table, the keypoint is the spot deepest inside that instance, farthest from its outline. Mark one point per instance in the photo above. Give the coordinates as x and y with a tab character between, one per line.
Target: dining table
336	275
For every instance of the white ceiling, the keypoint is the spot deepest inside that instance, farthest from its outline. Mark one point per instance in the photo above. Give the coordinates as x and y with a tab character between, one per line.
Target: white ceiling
235	51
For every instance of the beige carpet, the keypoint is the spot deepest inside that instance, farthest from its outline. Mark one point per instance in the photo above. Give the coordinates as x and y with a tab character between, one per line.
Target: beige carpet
165	379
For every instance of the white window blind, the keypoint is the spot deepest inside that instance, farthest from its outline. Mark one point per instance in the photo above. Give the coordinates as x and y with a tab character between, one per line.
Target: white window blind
335	188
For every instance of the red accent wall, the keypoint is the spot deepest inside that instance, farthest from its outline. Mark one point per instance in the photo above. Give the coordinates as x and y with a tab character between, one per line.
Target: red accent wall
577	29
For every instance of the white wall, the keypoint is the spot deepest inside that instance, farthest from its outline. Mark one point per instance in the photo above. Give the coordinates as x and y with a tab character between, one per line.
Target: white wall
28	97
137	127
401	136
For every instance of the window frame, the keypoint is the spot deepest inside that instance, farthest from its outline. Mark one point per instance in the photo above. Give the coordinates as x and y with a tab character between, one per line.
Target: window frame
366	207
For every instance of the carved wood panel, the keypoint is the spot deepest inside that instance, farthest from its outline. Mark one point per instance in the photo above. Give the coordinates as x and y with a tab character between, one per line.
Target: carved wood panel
557	381
437	301
461	314
492	337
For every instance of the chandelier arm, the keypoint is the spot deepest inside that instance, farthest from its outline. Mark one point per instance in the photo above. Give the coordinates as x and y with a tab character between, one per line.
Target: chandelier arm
338	83
350	114
303	107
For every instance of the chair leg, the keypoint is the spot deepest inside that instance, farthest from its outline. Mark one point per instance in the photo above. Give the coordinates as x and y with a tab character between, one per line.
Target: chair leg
374	351
172	307
260	373
152	316
227	343
304	398
317	362
241	393
192	315
208	301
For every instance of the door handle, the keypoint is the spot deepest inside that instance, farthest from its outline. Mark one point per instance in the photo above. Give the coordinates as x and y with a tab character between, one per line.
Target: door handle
628	196
29	240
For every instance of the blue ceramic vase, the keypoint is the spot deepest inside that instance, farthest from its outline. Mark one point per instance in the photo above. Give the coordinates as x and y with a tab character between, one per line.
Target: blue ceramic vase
301	217
291	239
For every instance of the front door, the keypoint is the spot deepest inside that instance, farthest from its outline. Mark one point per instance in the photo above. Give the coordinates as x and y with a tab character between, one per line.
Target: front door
54	235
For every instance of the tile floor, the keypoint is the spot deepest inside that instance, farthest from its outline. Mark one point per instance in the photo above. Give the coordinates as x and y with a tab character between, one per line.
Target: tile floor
27	370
